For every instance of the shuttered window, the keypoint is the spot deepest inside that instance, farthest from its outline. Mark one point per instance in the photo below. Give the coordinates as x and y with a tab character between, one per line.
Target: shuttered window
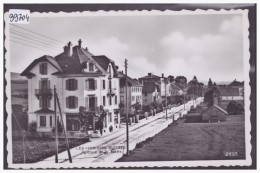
110	100
44	102
115	100
50	121
71	84
91	84
43	68
71	102
92	102
104	100
104	84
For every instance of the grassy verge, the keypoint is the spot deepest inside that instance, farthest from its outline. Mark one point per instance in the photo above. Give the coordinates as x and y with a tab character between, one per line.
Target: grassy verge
39	149
194	141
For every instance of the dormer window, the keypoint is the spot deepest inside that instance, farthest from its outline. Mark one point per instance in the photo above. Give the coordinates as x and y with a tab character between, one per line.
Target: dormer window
91	67
43	68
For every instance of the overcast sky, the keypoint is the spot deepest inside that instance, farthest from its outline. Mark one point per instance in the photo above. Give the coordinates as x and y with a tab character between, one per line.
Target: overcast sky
188	45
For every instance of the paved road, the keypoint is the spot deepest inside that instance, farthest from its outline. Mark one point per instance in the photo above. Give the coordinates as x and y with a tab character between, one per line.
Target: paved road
99	149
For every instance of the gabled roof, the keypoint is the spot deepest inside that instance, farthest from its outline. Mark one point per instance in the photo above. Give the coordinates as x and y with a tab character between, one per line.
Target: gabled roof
75	63
228	91
220	109
44	58
44	111
150	87
152	76
103	61
216	106
131	82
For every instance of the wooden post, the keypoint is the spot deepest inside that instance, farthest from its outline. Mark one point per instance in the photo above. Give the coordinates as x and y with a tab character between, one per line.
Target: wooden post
127	131
64	130
23	146
165	99
56	127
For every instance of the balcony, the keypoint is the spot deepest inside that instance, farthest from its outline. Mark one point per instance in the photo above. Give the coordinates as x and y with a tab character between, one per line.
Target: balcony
111	91
43	92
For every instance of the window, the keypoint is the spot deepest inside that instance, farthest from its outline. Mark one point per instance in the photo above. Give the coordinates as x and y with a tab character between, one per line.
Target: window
92	102
72	121
122	90
110	84
133	98
72	102
91	84
104	100
91	67
42	121
121	98
43	68
115	100
104	84
44	102
110	100
110	117
44	84
50	121
71	84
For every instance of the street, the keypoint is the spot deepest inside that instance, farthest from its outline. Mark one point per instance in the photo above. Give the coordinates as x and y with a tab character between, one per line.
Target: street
111	147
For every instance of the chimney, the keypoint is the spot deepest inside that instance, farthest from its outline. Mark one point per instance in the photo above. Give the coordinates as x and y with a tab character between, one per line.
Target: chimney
65	49
150	75
162	75
69	51
79	43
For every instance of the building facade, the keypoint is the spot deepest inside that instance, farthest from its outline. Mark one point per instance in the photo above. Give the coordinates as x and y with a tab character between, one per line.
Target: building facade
150	92
162	82
134	94
231	93
81	79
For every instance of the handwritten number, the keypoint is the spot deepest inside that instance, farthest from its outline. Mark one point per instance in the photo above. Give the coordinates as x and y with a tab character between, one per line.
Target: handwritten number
27	17
14	17
11	17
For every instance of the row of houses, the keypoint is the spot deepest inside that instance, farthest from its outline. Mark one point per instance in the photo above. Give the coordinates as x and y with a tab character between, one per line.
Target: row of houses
85	80
88	81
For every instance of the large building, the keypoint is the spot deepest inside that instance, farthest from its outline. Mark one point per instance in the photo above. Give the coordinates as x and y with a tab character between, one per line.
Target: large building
150	92
81	79
162	82
134	93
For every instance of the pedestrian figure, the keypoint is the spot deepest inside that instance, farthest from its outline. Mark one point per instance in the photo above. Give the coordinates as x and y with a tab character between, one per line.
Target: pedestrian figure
101	122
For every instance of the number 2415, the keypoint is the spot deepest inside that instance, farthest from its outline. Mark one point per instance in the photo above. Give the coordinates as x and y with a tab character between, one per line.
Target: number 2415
18	17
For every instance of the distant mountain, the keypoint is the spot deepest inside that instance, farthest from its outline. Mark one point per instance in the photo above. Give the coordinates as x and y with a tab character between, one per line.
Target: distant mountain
16	76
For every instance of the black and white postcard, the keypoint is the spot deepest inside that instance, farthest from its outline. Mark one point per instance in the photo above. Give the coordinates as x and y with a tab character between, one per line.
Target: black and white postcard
128	88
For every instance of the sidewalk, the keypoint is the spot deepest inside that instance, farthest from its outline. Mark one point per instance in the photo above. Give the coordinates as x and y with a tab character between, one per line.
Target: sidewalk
138	132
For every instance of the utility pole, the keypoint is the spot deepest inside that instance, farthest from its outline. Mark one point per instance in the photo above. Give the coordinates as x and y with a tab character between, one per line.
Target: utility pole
165	81
127	132
64	130
184	99
56	127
